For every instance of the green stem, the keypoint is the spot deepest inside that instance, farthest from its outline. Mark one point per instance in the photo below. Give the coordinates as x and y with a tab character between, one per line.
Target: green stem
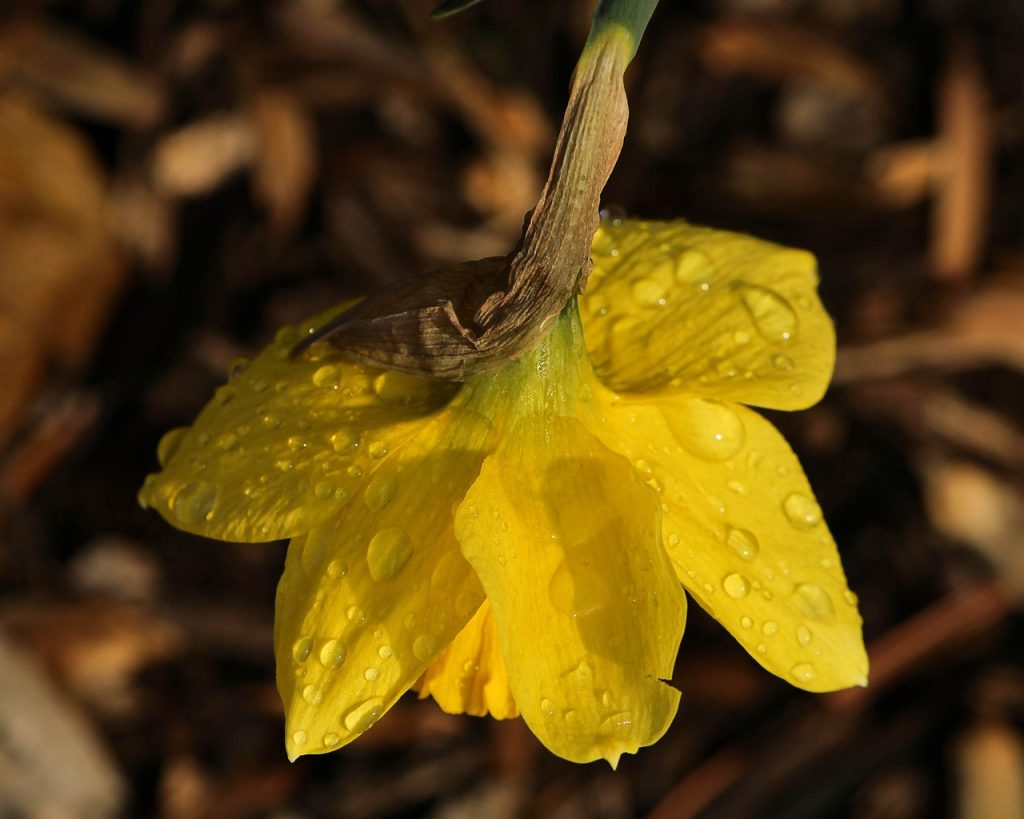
632	15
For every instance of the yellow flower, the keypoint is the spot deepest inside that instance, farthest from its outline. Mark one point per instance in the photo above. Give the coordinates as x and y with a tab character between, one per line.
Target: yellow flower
519	543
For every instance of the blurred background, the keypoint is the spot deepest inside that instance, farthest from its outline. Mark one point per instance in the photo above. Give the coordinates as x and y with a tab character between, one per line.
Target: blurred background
180	177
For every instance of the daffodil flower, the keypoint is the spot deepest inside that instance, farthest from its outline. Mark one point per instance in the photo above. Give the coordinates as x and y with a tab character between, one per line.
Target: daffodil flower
520	543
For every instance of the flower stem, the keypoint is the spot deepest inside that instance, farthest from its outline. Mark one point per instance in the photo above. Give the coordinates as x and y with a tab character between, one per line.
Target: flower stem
478	316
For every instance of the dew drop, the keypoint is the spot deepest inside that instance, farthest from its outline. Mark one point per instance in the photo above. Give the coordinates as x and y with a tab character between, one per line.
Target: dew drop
271	421
425	647
746	622
300	738
803	512
323	489
850	598
738	487
193	503
693	267
354	471
344	441
355	615
579	590
813	602
371	674
736	586
547	707
333	653
332	740
709	429
312	695
770	628
301	649
364	715
803	672
782	362
467	602
237	366
650	290
228	442
742	542
169	445
387	554
771	313
380	491
803	635
327	377
377	449
384	652
287	336
448	571
336	569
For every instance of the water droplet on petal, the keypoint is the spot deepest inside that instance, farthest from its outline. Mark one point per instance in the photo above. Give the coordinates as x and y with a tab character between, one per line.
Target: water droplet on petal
693	267
850	598
651	290
803	512
736	586
355	615
287	336
331	740
709	429
738	487
237	366
425	647
312	695
193	503
333	653
344	441
803	672
371	674
547	707
746	622
387	554
771	313
327	377
384	652
813	602
380	491
742	542
228	442
770	628
803	635
377	449
300	651
300	737
364	715
579	590
782	362
323	489
169	444
467	602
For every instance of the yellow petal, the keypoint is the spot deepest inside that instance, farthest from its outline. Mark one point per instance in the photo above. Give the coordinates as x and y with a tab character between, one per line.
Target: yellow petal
368	602
745	534
285	444
469	677
588	612
717	313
